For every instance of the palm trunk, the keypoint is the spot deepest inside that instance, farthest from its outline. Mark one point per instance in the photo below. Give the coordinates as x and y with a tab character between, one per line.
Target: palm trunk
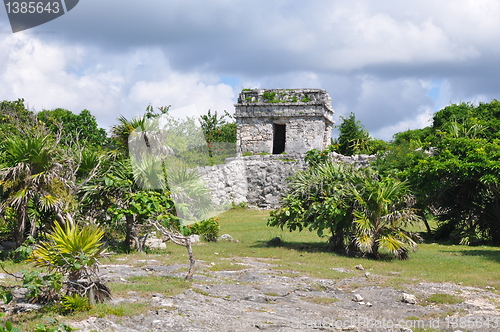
426	222
375	248
21	225
33	228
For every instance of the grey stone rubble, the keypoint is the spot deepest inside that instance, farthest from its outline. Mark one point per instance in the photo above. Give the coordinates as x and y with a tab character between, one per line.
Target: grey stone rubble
259	297
409	298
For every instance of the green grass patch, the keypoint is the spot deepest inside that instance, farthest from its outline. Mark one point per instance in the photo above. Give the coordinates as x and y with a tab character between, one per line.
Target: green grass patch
202	292
320	300
441	298
307	254
120	310
167	286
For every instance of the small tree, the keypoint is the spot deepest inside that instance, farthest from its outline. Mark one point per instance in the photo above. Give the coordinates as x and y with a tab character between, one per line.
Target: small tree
461	182
355	139
220	136
141	208
382	209
74	127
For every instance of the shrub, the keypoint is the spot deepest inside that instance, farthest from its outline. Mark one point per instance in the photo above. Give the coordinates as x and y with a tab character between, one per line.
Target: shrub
363	211
75	302
207	229
43	287
8	327
73	251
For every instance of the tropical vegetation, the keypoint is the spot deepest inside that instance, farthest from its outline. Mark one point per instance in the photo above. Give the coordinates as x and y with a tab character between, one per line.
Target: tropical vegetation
68	188
68	191
362	211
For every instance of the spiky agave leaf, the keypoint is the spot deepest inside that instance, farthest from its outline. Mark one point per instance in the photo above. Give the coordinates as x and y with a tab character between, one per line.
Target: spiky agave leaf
70	248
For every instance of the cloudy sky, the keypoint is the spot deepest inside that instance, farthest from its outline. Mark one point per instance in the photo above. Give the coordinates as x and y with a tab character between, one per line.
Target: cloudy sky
391	62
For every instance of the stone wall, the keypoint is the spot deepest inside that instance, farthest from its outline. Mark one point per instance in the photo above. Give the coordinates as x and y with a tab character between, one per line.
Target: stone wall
228	182
259	180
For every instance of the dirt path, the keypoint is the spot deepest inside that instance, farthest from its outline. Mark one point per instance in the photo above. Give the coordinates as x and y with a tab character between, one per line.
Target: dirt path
261	298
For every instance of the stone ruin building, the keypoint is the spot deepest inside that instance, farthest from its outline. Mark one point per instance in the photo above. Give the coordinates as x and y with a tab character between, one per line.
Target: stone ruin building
276	127
278	121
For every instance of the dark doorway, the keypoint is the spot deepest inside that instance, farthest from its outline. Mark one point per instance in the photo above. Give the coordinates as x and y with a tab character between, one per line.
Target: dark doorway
279	138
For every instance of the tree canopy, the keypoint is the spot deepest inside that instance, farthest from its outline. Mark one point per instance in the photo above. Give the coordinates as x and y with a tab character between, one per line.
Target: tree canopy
453	167
73	128
355	139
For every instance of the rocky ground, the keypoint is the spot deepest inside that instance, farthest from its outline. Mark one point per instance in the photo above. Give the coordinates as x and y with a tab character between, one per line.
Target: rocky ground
261	298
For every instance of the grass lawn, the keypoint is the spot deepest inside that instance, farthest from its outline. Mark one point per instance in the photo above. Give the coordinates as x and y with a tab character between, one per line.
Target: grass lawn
305	252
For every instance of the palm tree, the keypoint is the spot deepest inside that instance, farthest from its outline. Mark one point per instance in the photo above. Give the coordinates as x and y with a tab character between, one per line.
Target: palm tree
382	209
363	212
122	132
32	176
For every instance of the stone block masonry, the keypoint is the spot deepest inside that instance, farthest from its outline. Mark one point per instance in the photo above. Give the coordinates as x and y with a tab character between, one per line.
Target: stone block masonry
260	180
283	120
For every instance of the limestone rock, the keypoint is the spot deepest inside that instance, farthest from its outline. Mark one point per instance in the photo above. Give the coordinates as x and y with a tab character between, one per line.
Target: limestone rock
409	298
357	298
226	237
359	267
194	238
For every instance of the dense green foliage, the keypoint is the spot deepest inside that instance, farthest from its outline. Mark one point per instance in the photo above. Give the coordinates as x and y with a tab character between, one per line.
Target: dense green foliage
453	170
460	183
15	118
220	136
362	211
355	139
32	181
207	229
73	128
57	165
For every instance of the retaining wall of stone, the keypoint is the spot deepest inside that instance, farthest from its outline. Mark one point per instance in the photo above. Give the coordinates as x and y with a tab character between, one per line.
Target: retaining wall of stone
259	180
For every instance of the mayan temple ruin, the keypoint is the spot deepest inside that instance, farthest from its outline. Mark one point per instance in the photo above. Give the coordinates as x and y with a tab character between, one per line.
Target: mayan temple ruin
278	121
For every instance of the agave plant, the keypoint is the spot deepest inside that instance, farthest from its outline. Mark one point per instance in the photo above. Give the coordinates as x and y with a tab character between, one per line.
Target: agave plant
74	251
